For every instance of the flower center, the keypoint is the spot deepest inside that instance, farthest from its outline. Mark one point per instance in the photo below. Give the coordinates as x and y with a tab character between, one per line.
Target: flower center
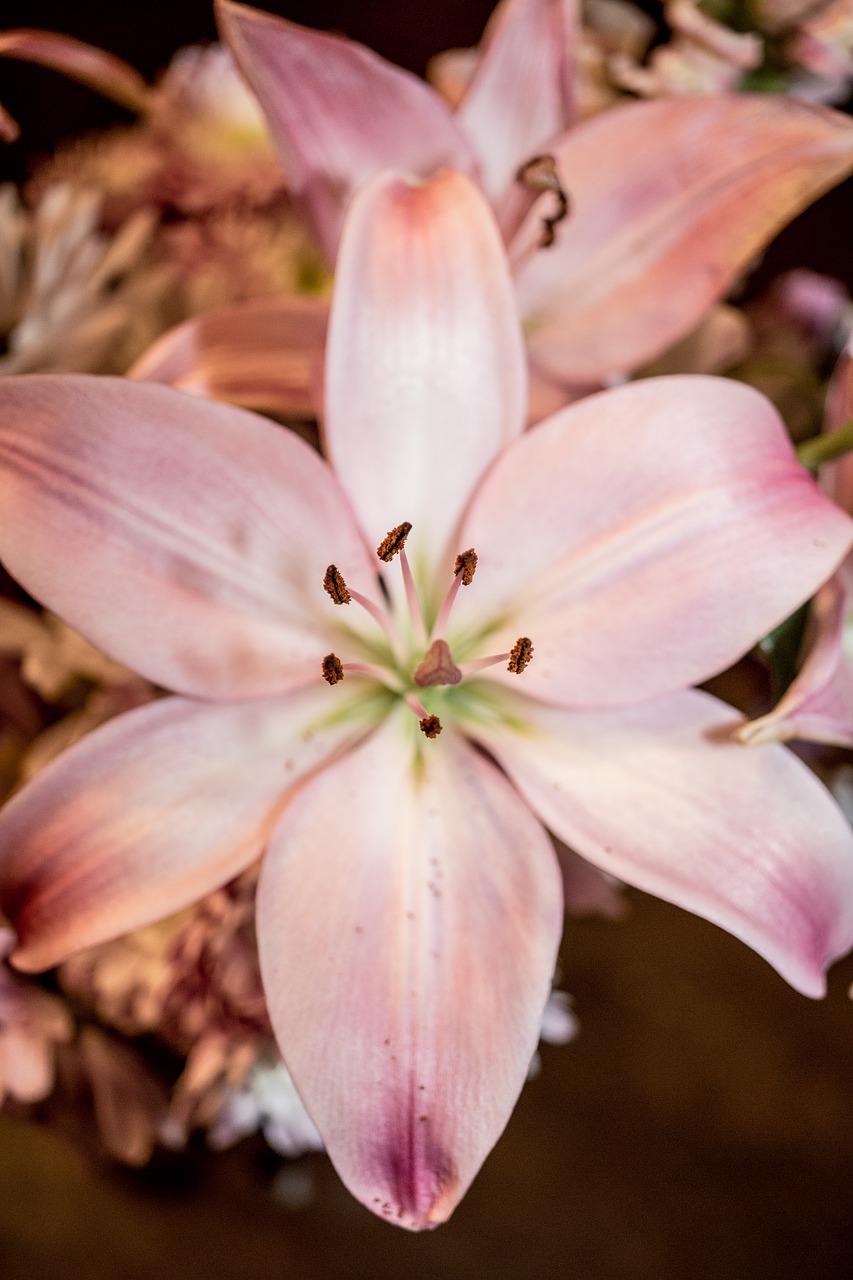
435	667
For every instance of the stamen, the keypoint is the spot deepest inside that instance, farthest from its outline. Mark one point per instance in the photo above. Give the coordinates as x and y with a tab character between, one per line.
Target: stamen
430	724
337	589
463	573
333	670
334	585
540	174
520	655
517	659
437	667
466	564
394	542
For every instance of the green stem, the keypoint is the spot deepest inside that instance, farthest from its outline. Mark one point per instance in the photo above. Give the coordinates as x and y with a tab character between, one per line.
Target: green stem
815	452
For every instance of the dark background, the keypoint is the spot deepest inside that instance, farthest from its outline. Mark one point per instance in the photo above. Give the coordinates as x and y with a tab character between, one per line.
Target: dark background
701	1128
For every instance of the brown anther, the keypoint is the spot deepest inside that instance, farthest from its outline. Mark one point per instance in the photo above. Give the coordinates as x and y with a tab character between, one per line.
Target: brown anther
540	174
332	669
394	541
466	564
430	726
334	584
520	655
437	667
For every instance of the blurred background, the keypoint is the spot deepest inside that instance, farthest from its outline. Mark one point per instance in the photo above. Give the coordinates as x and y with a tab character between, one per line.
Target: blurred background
701	1124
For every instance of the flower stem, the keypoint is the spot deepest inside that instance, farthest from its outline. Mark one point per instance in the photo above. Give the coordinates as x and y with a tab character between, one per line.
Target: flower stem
826	447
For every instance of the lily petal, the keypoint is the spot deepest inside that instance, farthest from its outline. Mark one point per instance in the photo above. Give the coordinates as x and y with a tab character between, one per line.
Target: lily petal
647	248
166	506
150	812
264	354
521	94
338	112
408	1006
425	365
837	477
662	798
640	584
818	706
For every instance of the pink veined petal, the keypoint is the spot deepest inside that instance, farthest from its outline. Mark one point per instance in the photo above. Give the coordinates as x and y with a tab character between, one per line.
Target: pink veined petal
338	112
818	706
662	797
425	364
99	70
407	1003
643	539
837	478
669	201
150	812
264	354
187	539
521	95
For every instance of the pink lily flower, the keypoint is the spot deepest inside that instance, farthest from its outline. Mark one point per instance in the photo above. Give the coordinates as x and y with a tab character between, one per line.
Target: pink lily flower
668	201
409	903
818	706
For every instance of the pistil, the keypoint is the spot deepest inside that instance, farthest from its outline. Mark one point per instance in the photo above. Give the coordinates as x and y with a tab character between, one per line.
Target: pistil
437	667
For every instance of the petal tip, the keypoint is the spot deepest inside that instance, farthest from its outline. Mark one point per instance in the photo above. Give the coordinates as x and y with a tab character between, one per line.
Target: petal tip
414	1182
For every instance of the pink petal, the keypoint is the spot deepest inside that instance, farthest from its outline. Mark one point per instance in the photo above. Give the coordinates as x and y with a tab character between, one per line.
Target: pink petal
661	797
644	539
27	1062
94	67
129	1101
837	479
521	94
338	112
188	540
10	131
818	707
150	812
425	366
264	354
670	200
409	912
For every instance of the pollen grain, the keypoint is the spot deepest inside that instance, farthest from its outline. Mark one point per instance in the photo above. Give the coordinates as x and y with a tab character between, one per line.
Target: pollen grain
466	564
334	585
430	726
333	671
394	541
520	655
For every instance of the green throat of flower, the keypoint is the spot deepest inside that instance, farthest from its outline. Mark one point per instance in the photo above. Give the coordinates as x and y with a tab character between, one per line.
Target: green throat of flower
427	663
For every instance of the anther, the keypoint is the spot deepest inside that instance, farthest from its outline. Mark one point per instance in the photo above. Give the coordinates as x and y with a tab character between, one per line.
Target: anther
334	584
333	670
394	542
540	174
430	726
520	655
466	564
